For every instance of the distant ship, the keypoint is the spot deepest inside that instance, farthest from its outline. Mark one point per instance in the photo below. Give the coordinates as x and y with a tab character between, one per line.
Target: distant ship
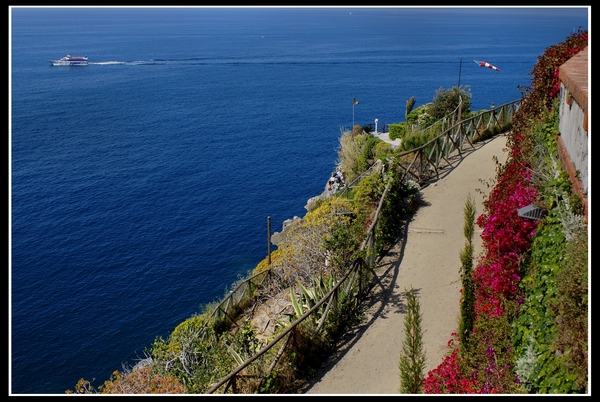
69	60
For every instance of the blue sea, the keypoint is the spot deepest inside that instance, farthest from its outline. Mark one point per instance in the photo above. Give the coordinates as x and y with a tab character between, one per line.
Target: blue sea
141	186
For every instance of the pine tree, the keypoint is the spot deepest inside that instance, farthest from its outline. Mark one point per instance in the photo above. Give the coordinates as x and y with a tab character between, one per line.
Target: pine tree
412	358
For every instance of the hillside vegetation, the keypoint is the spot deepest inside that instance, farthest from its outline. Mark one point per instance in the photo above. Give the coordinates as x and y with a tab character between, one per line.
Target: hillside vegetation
526	325
530	329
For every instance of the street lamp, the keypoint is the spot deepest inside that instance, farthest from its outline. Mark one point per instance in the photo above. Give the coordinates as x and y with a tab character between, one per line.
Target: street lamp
376	121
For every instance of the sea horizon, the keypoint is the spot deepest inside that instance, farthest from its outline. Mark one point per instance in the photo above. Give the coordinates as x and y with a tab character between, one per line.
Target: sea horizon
140	185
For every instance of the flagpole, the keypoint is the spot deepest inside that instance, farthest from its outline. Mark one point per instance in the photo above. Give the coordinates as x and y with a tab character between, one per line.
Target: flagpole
354	103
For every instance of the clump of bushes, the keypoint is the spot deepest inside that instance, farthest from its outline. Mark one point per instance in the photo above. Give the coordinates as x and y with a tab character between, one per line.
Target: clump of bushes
397	130
530	331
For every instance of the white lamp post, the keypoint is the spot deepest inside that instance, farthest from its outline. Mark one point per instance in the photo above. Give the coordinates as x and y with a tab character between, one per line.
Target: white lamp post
376	121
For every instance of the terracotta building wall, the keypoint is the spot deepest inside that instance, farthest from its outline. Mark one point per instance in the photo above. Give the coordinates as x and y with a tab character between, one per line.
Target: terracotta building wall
574	121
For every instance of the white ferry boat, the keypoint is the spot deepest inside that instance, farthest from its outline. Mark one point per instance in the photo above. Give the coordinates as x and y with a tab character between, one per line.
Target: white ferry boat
69	60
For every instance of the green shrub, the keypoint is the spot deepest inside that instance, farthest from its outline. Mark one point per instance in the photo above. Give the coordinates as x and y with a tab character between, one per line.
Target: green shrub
446	101
420	117
491	132
369	192
357	152
382	150
490	354
416	139
392	210
397	130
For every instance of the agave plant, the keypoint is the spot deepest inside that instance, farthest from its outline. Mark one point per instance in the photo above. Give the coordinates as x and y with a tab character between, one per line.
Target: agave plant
310	297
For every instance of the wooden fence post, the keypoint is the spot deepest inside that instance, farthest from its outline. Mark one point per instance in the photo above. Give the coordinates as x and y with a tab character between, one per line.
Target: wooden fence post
269	239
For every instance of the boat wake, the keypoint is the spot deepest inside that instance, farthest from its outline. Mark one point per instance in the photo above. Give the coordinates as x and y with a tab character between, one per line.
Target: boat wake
195	61
106	63
147	62
123	63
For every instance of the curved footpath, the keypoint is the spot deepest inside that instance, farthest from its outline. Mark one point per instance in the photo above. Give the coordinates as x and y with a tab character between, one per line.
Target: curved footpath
426	258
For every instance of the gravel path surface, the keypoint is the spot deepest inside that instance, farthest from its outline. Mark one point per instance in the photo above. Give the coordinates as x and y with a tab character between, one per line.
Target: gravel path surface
426	258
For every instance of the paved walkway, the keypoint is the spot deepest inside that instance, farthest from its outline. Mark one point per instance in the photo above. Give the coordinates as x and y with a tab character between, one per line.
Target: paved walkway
385	137
425	258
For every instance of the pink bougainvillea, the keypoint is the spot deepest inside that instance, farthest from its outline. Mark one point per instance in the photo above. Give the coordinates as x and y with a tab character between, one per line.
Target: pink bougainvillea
447	378
506	237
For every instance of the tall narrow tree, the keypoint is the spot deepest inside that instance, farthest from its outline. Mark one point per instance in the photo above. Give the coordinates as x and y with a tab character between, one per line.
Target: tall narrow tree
409	107
467	302
412	357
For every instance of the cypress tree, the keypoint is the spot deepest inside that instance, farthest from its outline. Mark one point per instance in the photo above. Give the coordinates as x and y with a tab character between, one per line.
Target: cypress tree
412	358
467	303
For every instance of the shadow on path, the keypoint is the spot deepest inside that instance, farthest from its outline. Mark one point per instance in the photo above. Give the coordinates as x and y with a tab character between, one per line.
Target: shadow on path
381	301
356	366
